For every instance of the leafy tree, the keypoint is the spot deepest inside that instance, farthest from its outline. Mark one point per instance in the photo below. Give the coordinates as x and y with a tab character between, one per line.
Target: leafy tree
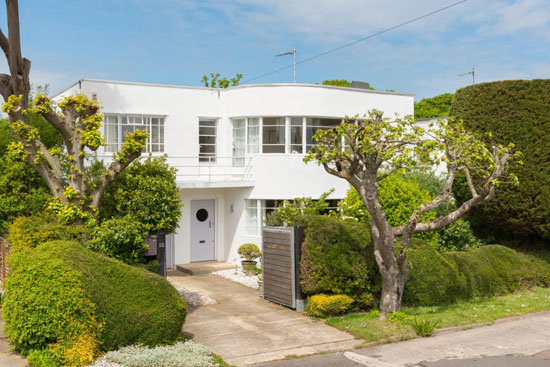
337	82
22	192
146	191
367	150
438	106
215	82
76	118
48	134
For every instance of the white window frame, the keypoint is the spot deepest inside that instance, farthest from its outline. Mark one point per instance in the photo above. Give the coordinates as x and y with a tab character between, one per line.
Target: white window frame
208	158
149	128
287	134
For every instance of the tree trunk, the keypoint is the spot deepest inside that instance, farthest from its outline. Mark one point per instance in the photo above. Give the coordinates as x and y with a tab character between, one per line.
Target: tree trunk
393	277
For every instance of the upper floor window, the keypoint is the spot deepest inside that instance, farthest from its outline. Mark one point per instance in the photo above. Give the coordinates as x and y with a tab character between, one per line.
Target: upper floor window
117	126
207	140
280	135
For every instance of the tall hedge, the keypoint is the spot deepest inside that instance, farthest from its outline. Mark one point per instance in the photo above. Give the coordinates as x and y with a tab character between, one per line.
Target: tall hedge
516	111
74	303
442	278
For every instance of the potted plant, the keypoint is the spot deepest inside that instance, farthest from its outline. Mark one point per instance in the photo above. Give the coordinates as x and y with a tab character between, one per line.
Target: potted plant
249	252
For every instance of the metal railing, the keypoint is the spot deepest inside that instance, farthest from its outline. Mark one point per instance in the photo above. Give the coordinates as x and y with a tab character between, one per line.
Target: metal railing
199	169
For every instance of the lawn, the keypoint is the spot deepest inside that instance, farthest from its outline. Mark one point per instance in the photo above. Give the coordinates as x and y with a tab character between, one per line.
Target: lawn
480	310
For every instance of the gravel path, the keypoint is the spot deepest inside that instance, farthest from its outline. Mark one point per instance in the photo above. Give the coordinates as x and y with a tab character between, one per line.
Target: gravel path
238	276
192	298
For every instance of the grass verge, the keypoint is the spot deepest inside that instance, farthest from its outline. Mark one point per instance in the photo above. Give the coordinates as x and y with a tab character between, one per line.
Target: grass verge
480	310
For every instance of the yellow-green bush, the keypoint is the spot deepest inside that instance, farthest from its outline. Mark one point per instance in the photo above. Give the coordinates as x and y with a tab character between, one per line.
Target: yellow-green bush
73	303
29	232
322	305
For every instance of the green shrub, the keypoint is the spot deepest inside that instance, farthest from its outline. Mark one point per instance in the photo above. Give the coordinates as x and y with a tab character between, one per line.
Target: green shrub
121	238
75	302
288	213
399	196
442	278
458	236
188	354
146	190
29	232
153	266
338	258
42	358
514	111
249	251
322	305
437	106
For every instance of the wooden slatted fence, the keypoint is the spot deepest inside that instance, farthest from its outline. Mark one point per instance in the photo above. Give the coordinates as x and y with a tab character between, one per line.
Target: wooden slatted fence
280	262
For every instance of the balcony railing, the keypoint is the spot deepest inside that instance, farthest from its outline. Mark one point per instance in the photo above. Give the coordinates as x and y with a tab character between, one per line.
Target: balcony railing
200	169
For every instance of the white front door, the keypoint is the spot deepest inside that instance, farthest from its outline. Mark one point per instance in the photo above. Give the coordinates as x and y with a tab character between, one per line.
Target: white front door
203	232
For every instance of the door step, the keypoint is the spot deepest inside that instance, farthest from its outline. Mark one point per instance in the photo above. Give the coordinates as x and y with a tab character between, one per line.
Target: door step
204	267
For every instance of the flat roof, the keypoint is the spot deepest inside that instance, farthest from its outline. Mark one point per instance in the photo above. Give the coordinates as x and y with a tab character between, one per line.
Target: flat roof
235	87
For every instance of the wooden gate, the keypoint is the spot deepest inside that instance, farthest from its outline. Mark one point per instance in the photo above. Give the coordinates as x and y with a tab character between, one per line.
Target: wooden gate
280	262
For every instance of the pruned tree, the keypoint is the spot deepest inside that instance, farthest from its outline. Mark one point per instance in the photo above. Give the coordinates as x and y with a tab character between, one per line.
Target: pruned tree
366	150
78	119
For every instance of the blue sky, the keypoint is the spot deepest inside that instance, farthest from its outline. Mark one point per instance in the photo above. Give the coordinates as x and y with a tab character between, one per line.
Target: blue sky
178	41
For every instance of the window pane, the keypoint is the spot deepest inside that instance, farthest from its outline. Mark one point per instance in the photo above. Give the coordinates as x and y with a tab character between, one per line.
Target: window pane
207	141
273	135
239	141
251	217
314	124
274	121
154	134
296	121
253	135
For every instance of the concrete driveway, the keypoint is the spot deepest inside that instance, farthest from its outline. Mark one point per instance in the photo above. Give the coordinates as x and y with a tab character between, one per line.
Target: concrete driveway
244	329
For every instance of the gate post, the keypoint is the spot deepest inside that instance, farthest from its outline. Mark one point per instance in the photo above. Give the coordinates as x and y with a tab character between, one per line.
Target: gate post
161	253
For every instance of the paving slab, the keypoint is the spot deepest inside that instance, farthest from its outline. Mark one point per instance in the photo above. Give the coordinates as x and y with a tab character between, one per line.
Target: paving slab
244	329
320	360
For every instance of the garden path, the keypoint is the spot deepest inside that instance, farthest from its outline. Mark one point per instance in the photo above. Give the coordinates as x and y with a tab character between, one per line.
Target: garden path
7	358
244	329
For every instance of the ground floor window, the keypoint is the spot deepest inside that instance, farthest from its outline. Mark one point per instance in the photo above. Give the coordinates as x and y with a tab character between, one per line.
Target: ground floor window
257	211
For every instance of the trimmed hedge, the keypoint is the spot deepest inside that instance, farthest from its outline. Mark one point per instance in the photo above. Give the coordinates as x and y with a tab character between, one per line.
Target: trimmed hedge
442	278
338	258
29	232
74	302
516	111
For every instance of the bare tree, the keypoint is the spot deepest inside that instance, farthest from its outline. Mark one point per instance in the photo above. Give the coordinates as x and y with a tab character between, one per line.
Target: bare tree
78	119
366	150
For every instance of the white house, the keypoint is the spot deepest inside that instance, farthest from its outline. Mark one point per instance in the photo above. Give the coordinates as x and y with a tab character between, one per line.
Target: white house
238	151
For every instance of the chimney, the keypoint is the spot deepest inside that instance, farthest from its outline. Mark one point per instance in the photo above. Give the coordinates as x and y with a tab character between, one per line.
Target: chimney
359	85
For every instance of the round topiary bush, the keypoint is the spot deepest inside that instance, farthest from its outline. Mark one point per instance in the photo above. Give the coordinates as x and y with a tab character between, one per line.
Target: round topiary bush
249	251
514	111
74	302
